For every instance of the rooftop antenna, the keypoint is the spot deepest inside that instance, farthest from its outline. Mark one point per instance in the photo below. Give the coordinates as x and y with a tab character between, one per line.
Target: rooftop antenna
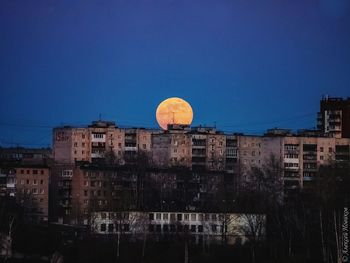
99	116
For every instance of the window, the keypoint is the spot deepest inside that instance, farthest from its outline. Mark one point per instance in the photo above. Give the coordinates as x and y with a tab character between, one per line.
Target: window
35	191
158	228
98	135
110	227
214	228
200	217
193	217
179	217
103	215
144	146
75	144
103	227
41	200
83	144
214	217
186	217
22	181
158	216
321	149
321	157
151	228
200	229
172	217
41	181
151	216
27	181
193	228
42	191
22	171
28	171
35	182
330	149
165	228
165	216
86	183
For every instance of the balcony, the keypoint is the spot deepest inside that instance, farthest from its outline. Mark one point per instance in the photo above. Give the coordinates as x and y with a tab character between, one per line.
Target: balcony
98	137
130	148
97	155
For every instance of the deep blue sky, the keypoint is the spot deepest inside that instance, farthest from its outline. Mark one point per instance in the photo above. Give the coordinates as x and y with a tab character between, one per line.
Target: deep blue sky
245	65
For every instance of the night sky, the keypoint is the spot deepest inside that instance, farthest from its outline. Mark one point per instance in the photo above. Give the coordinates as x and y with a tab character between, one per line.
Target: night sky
244	65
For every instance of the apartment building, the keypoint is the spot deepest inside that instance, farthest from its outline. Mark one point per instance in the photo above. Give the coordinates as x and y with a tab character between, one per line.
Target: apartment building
256	151
199	148
303	157
172	149
298	157
98	141
32	191
334	117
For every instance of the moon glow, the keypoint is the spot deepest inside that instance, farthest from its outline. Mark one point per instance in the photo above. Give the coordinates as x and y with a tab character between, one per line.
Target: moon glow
174	111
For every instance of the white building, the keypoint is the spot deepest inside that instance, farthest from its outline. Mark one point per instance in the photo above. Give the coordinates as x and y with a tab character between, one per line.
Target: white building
199	226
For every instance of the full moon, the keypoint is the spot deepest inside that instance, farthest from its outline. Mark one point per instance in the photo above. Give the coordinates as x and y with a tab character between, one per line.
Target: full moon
174	111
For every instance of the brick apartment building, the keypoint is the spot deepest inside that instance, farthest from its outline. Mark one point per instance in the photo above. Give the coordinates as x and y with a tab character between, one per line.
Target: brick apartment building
98	140
32	191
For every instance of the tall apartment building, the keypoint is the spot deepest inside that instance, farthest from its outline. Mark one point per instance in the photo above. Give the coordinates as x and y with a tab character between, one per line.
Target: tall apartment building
334	117
298	156
32	191
172	148
303	156
95	142
199	148
256	151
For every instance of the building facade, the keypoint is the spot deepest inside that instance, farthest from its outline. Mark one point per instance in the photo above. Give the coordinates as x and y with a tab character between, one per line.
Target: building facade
32	191
198	226
99	142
